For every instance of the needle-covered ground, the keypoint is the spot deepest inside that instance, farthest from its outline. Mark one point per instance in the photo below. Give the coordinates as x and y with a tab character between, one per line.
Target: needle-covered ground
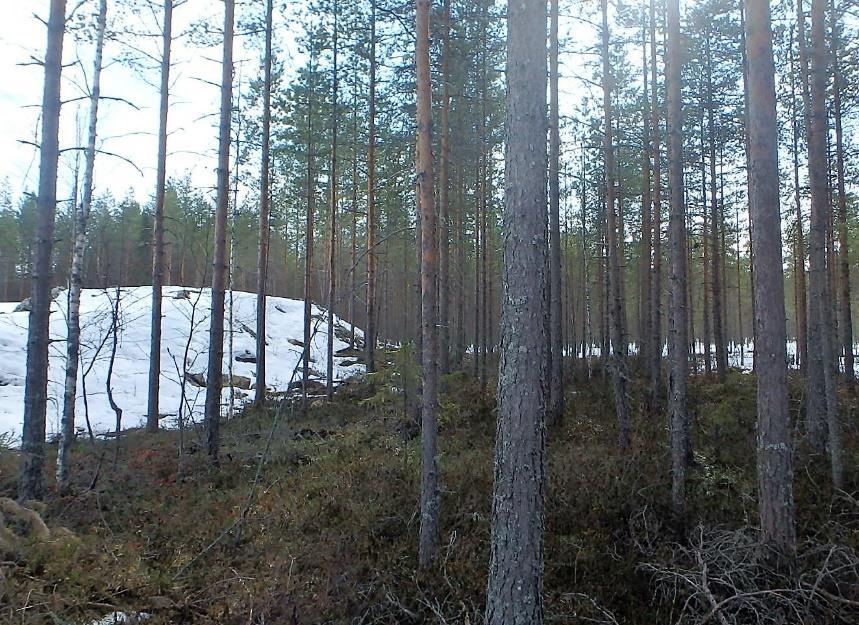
325	530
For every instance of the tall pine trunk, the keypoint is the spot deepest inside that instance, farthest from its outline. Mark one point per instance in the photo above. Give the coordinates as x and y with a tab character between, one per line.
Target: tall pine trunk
678	344
613	251
775	467
485	182
153	410
370	330
73	321
332	217
430	500
645	281
514	589
309	235
214	373
656	389
846	312
706	265
815	409
353	270
716	230
745	64
30	485
821	352
556	353
444	200
264	209
799	239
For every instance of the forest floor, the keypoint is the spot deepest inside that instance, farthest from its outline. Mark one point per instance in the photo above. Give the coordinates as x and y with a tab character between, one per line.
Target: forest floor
326	530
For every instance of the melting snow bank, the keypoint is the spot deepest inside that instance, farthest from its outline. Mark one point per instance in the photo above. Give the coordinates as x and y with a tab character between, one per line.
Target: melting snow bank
184	354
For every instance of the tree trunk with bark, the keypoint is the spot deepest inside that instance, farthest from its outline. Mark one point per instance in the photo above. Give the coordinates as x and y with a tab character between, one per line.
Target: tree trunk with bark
678	344
745	64
775	467
706	264
716	229
444	200
353	266
616	325
332	217
264	210
73	320
214	381
514	592
800	288
821	353
153	410
846	311
645	276
656	388
555	410
30	485
309	236
485	182
370	330
430	500
815	409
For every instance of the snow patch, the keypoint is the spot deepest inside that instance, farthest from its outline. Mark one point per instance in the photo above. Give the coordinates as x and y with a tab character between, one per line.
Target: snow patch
121	617
184	350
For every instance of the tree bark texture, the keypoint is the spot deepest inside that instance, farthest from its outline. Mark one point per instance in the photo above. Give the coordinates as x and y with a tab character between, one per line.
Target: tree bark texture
30	485
514	593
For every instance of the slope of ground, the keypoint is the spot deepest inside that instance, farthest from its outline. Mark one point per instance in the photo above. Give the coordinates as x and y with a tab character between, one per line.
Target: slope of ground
184	349
326	530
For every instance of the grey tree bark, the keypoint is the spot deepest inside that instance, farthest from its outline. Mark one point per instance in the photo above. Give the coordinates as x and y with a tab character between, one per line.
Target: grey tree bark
820	296
801	293
815	408
73	320
214	381
845	322
30	485
153	410
645	268
656	388
486	193
308	234
616	316
444	200
678	343
370	330
264	210
775	466
716	230
514	592
332	215
430	499
751	229
556	319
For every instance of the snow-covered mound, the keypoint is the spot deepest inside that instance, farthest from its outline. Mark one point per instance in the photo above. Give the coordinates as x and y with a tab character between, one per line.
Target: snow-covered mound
184	354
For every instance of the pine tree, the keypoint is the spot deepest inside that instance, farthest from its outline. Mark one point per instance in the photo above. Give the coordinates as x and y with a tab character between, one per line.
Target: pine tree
153	410
264	211
514	593
678	344
430	499
775	470
556	319
30	485
214	377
